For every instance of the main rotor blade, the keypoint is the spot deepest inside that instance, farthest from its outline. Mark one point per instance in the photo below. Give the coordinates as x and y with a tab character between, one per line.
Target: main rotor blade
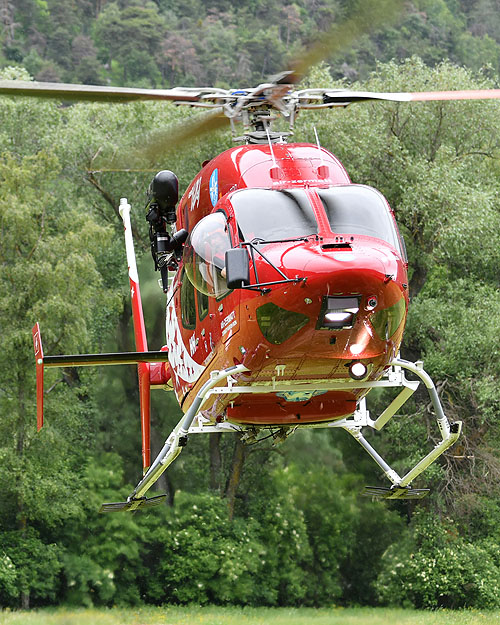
95	93
369	15
469	94
343	98
163	142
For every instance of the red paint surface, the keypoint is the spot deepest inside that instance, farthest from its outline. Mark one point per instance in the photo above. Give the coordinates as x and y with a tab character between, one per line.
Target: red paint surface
37	345
308	355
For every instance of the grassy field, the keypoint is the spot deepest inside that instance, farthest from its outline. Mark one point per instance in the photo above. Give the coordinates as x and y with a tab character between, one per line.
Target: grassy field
248	616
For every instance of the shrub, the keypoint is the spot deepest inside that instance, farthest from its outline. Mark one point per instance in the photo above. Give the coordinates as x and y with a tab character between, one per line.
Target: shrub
199	556
27	566
434	567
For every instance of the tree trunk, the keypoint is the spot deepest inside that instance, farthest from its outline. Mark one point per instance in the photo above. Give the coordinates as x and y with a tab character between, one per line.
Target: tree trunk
7	19
239	454
164	483
25	600
215	460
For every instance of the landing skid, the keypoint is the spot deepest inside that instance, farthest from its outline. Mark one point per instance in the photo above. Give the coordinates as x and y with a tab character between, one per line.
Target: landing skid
382	492
193	422
133	504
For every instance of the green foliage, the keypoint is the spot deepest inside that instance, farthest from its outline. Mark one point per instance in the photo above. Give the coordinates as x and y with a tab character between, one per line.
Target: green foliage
107	571
198	556
300	535
8	580
165	43
130	36
433	567
283	577
330	516
29	565
461	341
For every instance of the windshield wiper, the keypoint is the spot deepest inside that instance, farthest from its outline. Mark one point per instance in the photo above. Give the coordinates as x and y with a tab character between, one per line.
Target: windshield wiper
259	240
259	286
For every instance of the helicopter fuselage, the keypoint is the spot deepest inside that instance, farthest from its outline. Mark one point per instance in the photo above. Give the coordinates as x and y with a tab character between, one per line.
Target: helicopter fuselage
328	284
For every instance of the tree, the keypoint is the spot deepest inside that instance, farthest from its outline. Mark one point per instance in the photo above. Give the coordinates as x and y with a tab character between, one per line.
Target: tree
47	273
308	539
131	37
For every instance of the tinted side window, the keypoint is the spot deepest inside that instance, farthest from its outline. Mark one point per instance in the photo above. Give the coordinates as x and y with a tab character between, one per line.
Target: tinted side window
188	305
202	305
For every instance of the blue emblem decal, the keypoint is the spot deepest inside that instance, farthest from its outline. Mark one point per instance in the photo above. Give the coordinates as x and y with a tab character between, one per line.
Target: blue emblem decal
214	187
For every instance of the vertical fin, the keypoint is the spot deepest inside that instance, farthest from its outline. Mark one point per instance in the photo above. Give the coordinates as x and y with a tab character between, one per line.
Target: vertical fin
141	342
37	345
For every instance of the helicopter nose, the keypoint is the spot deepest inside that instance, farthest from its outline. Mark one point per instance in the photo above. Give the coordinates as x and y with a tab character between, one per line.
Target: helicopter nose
365	271
340	286
350	304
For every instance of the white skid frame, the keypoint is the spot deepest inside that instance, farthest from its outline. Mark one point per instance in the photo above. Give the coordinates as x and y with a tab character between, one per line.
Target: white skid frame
193	422
394	377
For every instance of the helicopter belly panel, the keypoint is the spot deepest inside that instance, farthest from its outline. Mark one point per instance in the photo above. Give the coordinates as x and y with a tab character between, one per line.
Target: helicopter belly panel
292	409
328	368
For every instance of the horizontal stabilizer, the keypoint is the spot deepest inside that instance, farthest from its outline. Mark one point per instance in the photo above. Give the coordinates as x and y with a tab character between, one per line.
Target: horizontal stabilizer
396	492
133	504
92	360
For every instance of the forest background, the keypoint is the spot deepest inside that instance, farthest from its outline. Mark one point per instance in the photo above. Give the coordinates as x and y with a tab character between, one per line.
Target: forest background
295	530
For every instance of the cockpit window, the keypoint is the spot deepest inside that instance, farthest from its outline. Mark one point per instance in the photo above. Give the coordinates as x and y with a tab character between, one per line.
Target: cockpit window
273	215
357	209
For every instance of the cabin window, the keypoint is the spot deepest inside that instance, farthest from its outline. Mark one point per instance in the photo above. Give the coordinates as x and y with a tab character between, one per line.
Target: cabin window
188	305
204	255
357	209
272	215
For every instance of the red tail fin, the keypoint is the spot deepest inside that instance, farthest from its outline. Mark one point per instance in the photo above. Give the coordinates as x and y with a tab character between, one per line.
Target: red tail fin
37	345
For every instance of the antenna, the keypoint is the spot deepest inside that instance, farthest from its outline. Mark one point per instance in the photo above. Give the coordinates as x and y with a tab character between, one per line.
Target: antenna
317	143
323	170
271	147
274	172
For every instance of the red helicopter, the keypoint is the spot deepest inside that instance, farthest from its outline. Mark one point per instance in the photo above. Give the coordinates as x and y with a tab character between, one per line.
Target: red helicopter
287	287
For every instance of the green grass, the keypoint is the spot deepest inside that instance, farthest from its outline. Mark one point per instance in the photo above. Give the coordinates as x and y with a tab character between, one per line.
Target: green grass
248	616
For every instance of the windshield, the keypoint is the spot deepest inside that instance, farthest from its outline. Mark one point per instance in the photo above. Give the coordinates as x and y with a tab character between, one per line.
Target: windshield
273	215
356	209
